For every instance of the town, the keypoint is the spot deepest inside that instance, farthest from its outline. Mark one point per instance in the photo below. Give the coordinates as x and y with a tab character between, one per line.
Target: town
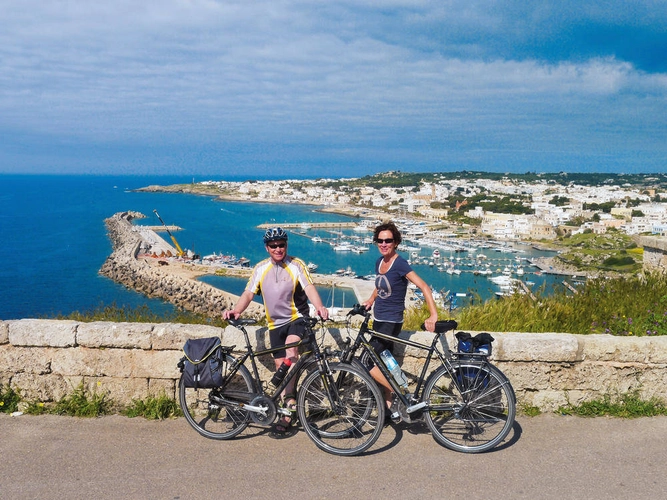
510	207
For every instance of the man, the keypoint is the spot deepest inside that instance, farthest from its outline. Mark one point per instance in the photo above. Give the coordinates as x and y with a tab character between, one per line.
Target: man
285	286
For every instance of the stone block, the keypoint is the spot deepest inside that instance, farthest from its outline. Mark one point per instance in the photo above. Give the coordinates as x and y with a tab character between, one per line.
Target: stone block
92	362
153	364
602	347
172	336
109	334
42	333
120	391
157	386
33	360
529	376
43	388
550	347
4	332
547	400
658	350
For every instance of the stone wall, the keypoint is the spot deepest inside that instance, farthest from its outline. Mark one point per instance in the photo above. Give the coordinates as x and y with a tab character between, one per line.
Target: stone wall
123	267
46	359
655	253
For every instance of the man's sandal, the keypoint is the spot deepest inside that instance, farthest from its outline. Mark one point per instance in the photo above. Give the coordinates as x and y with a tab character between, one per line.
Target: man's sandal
285	422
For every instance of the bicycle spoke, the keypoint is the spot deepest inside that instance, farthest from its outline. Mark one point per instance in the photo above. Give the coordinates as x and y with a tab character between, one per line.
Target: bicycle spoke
354	423
471	412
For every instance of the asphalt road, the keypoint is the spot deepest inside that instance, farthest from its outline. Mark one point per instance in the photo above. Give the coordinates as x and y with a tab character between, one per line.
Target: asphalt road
546	457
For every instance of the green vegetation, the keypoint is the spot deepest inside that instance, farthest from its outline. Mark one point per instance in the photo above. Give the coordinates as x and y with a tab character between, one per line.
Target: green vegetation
154	408
613	251
629	405
9	399
636	305
141	314
83	403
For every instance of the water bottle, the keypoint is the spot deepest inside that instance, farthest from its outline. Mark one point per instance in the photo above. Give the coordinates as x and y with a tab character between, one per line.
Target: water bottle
281	372
392	366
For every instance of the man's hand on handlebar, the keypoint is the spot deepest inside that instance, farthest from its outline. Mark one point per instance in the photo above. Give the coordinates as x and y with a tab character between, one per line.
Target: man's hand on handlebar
230	314
323	312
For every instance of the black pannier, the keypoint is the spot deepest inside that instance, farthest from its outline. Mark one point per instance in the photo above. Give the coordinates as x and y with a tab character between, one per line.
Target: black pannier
202	364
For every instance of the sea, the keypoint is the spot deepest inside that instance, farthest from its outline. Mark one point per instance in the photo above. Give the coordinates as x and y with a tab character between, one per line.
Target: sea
53	241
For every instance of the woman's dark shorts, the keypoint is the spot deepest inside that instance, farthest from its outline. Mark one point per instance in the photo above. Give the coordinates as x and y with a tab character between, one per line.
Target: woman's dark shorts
379	345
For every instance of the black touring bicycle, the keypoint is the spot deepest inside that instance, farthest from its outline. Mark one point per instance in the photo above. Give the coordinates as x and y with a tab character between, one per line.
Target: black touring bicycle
467	403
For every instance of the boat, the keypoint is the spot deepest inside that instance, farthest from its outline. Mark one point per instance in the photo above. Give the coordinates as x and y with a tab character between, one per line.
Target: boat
312	266
343	247
316	239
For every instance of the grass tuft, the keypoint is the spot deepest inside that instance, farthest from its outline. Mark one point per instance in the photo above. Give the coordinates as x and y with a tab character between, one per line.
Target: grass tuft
9	400
82	404
154	408
629	405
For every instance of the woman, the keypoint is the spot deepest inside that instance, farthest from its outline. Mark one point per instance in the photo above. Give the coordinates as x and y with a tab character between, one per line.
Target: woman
388	298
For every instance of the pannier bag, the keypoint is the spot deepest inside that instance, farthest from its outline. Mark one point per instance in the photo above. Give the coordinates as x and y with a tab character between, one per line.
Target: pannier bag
479	344
202	366
471	379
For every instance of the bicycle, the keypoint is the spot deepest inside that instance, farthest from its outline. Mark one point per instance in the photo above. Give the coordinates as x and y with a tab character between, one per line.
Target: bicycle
467	403
338	405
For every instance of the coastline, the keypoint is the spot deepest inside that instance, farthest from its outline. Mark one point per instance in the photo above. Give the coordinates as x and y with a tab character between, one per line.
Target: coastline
547	265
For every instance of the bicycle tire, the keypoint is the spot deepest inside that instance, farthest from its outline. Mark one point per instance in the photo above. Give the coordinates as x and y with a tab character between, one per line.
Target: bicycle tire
358	423
206	412
473	413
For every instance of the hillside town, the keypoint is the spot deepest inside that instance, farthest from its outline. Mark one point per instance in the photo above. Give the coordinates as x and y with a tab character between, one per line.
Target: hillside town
550	209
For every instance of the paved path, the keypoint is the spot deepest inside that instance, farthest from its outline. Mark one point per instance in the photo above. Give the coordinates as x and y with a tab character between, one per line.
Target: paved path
547	457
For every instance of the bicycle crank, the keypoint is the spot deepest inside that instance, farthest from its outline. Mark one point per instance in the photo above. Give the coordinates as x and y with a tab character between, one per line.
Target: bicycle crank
261	409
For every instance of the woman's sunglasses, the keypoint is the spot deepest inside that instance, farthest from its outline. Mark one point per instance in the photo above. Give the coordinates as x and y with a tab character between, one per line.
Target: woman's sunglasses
386	240
276	245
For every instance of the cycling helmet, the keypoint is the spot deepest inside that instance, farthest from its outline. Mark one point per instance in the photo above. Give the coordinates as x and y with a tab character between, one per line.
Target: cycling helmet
274	233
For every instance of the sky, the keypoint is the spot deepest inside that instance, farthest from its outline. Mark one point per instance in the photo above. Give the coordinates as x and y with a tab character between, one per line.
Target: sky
332	88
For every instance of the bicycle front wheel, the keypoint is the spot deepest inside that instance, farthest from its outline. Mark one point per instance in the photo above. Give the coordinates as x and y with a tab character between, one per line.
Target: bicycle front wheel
214	413
471	408
342	413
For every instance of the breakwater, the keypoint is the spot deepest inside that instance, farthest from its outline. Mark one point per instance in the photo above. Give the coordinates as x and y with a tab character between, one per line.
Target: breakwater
171	282
47	359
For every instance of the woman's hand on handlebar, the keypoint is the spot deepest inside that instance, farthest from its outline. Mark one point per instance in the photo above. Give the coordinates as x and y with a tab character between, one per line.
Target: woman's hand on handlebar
430	323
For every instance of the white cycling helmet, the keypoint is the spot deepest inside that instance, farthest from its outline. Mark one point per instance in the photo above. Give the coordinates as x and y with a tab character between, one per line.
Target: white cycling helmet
274	233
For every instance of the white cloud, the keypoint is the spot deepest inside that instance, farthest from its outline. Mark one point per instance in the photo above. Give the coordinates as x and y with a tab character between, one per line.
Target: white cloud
427	78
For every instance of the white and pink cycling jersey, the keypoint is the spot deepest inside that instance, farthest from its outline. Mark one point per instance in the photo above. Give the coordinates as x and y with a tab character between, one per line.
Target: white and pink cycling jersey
282	287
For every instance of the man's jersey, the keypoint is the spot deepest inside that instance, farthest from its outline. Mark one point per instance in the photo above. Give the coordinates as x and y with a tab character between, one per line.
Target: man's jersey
282	287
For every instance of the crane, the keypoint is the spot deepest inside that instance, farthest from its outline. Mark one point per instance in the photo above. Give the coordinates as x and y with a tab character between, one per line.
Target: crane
180	252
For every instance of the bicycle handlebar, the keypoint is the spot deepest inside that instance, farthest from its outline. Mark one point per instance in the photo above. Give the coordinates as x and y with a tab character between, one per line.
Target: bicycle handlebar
359	309
441	326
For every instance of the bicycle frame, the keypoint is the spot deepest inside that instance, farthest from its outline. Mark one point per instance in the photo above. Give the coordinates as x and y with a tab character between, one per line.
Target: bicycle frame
311	356
410	401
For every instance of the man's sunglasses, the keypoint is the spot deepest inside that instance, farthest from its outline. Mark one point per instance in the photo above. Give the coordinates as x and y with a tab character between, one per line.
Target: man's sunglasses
386	240
277	245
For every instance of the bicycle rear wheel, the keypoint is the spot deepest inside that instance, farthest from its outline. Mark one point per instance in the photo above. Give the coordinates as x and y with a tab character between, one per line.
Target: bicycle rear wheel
214	413
471	408
354	422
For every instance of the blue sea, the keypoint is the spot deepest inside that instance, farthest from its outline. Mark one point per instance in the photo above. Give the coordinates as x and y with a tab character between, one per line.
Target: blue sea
54	241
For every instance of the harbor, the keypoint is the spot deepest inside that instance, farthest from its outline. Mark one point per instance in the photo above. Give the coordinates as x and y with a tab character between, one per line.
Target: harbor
459	270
